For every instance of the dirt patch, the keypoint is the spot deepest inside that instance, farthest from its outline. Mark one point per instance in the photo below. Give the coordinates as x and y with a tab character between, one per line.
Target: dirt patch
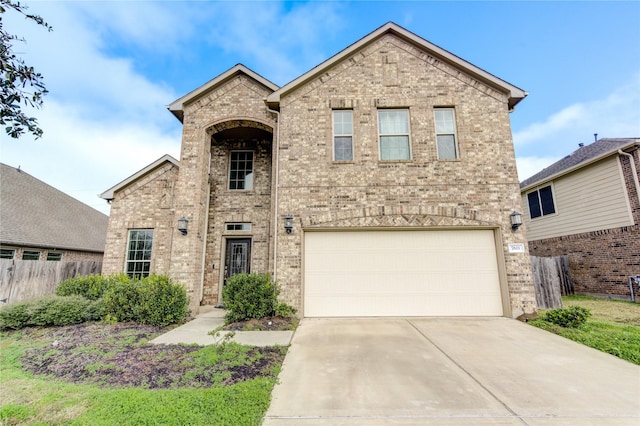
119	356
264	324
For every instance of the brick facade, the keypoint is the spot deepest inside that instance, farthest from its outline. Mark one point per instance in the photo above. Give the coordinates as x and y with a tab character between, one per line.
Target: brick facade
602	261
295	174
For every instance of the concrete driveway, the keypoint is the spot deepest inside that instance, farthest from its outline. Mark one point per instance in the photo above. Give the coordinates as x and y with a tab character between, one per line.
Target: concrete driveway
448	371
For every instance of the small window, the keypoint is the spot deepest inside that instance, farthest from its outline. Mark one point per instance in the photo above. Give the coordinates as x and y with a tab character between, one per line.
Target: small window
343	135
139	252
30	255
393	129
7	253
241	170
238	227
541	202
446	134
54	257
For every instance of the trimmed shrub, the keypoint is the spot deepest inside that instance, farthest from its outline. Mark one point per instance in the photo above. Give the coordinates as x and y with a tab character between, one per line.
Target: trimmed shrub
14	316
161	301
154	300
248	296
571	317
48	311
284	310
121	299
91	287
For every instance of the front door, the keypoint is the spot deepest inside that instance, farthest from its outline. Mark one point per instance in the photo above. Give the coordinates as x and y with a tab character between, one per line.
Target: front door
237	257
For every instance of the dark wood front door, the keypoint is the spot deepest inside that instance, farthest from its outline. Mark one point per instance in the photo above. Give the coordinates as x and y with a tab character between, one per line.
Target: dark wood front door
237	257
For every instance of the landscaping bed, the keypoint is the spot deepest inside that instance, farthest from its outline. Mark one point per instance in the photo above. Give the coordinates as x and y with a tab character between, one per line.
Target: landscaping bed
119	356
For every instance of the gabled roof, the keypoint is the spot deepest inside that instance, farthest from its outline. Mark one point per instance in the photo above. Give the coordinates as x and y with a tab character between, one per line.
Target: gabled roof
177	106
515	94
35	214
108	194
582	157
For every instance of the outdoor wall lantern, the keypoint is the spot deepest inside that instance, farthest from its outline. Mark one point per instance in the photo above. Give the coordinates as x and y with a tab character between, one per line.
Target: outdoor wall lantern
288	223
182	225
516	220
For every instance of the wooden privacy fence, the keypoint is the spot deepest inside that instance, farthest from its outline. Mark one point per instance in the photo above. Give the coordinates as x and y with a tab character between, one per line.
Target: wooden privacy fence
26	279
552	280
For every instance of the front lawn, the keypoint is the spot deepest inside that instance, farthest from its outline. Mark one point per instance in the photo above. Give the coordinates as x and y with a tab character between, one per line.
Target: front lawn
614	326
99	374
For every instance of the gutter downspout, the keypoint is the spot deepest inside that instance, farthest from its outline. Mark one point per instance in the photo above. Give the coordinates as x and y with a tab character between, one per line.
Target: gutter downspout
634	172
275	196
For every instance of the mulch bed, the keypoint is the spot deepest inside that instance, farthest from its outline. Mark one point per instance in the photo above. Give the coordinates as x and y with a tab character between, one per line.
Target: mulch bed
117	356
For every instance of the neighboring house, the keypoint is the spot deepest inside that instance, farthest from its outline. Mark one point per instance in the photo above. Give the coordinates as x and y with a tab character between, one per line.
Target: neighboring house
39	222
587	206
379	183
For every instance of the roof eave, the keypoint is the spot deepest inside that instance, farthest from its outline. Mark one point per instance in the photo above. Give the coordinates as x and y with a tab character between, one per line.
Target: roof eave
515	93
177	106
109	193
577	166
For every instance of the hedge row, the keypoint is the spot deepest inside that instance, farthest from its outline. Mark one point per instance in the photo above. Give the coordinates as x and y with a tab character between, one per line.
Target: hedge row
154	300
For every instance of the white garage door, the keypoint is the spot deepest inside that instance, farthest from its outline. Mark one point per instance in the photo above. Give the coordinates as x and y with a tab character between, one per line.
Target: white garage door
401	273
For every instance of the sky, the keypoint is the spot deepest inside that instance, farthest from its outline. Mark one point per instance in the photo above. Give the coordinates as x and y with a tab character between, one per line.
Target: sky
112	67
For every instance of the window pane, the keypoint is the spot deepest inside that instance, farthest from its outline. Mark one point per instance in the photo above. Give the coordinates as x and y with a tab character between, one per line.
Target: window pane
241	170
54	257
395	121
343	148
394	147
30	255
534	205
342	122
546	197
139	253
444	121
7	253
447	147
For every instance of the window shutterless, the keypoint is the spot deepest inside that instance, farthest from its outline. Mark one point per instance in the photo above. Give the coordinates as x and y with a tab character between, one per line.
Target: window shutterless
446	139
343	135
139	252
393	131
241	170
541	202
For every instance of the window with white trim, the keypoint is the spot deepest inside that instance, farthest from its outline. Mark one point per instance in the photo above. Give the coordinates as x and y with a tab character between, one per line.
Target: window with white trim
343	135
241	170
541	202
54	256
7	253
446	139
393	131
139	252
240	226
30	255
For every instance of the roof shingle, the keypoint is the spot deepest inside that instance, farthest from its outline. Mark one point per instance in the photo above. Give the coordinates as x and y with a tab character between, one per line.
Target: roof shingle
581	155
35	214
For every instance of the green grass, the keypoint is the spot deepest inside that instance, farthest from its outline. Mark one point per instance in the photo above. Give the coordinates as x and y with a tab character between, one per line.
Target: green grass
614	326
28	399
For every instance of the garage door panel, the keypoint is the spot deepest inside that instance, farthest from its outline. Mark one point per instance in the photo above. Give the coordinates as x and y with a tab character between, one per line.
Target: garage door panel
401	273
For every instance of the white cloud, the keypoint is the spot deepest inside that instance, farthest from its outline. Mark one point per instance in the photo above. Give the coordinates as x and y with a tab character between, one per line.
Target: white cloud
102	119
529	166
617	115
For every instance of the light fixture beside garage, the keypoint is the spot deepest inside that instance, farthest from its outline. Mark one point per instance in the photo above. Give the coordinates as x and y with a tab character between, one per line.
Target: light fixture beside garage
516	220
288	223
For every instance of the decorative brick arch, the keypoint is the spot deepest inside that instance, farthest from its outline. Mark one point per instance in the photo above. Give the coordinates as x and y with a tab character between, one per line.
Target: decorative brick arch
399	216
232	123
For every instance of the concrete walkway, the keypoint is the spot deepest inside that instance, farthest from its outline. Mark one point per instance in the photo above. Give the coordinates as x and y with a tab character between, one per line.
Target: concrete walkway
454	371
197	331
